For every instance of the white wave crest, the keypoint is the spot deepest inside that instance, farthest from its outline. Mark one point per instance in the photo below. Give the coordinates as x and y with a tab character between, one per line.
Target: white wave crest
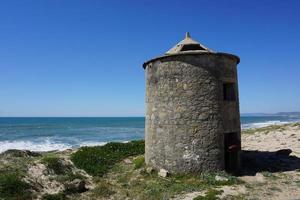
90	144
45	145
263	124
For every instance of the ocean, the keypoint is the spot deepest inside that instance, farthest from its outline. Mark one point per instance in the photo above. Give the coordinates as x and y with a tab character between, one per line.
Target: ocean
60	133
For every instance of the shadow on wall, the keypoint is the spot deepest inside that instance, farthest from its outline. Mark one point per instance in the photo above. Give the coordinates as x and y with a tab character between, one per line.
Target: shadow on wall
259	161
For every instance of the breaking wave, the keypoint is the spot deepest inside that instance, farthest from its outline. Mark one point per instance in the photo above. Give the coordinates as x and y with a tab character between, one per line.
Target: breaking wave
263	124
45	145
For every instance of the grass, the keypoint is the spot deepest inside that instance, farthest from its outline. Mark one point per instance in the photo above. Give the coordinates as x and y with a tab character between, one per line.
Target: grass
103	189
98	160
112	177
266	129
59	196
297	183
270	128
55	164
139	162
296	125
12	187
269	175
68	177
120	180
211	194
21	153
275	189
142	185
210	179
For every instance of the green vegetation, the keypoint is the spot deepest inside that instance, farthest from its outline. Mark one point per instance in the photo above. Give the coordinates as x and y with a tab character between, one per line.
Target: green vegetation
132	180
296	125
275	189
266	129
270	128
297	183
68	177
211	194
103	189
139	162
12	187
269	175
21	153
59	196
98	160
211	180
113	177
56	164
139	184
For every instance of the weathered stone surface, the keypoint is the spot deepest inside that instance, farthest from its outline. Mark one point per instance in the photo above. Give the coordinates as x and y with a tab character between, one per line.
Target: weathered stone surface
163	173
186	117
220	178
127	161
76	185
19	153
149	170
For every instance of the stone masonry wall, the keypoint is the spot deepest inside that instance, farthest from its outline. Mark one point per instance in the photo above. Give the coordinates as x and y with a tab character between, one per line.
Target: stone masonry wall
185	112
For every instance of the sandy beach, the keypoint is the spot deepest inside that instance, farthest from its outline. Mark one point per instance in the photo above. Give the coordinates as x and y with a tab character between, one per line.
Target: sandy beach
273	138
277	174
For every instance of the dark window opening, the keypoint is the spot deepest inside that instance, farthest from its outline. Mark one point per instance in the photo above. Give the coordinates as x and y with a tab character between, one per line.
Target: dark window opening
191	47
229	92
231	149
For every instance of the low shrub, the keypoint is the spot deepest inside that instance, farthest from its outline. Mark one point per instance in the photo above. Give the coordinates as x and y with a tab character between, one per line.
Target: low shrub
269	175
59	196
68	177
13	187
98	160
55	164
139	162
211	194
103	189
210	178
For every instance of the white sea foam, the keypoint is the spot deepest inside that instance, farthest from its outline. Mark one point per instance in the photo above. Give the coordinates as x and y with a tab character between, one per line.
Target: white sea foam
45	145
89	144
263	124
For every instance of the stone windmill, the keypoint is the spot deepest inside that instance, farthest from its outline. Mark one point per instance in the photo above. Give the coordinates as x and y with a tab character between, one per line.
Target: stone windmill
192	115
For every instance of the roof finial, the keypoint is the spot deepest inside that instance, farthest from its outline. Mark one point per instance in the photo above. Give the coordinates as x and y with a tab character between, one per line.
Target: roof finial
187	35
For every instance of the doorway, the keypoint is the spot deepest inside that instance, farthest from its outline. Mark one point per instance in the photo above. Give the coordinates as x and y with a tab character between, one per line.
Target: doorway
232	148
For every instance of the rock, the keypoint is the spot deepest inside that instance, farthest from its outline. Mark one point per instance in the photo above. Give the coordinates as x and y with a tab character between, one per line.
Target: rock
20	153
260	178
284	152
149	170
127	161
221	178
76	186
163	173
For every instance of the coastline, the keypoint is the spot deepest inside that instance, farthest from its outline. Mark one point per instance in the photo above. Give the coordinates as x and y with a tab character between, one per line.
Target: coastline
269	172
270	126
48	134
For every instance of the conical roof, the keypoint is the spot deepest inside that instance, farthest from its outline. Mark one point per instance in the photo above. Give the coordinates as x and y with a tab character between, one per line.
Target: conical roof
189	46
186	45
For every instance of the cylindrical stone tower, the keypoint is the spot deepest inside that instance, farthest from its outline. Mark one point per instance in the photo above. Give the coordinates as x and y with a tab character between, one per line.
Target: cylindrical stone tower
192	117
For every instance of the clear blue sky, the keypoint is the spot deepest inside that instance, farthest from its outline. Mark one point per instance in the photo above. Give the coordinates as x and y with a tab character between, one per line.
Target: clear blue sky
84	58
